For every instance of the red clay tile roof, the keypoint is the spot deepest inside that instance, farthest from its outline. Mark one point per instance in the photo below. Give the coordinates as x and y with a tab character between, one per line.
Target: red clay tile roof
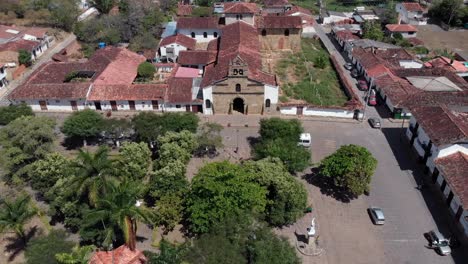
121	255
444	62
51	91
454	168
180	90
20	44
279	22
401	28
441	125
453	77
6	35
240	8
346	35
197	23
274	3
128	92
36	31
412	7
377	70
298	9
239	40
121	70
196	57
397	89
186	72
183	40
184	10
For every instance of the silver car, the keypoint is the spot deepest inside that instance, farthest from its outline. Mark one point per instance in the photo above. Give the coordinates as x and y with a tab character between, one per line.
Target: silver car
439	242
375	122
376	215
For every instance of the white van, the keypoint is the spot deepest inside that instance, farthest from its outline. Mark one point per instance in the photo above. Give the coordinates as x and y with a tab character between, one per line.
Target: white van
304	140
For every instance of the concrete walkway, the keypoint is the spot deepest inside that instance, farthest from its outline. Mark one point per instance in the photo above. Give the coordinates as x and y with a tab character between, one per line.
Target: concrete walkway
47	56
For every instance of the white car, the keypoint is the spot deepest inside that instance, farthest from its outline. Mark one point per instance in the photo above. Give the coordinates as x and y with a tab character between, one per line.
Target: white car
376	215
304	140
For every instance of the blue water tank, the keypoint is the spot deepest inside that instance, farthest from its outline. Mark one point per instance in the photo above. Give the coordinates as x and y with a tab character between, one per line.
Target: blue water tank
102	45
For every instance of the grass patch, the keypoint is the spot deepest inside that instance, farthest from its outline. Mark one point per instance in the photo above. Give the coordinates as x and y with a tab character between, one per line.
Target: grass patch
321	88
310	5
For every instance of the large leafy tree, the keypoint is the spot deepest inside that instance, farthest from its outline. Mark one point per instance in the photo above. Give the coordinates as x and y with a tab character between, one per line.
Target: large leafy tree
134	161
372	30
119	209
209	136
25	140
451	12
93	171
44	248
103	6
25	58
14	214
46	172
287	198
12	112
117	129
219	189
274	128
168	253
351	168
83	124
295	158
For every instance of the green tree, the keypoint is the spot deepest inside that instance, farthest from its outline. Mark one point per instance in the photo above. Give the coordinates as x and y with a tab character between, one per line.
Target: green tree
351	167
287	198
118	208
169	254
219	189
10	113
116	129
103	6
83	124
79	255
295	158
274	128
451	12
25	140
134	161
267	248
64	14
14	214
372	31
184	139
209	136
146	70
46	172
25	57
93	171
43	249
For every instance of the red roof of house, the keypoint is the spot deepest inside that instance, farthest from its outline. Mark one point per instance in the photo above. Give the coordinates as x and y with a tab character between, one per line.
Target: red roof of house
298	9
241	8
444	62
36	31
240	40
377	70
183	40
279	22
185	72
180	90
412	7
397	89
346	35
120	255
442	125
20	44
454	168
197	23
127	92
401	28
274	3
184	10
196	57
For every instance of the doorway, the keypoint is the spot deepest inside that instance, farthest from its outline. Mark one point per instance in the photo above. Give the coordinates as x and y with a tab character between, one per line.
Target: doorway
97	104
238	105
74	105
43	105
113	105
131	104
299	110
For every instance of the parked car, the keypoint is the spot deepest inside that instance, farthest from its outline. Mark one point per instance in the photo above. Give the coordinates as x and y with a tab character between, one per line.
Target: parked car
362	85
354	73
438	242
372	98
304	140
375	122
348	66
376	215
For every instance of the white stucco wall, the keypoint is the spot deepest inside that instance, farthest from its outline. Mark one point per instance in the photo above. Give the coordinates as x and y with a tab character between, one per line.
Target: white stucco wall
271	92
452	149
289	110
177	49
54	105
410	64
173	107
333	19
421	139
199	34
208	95
310	111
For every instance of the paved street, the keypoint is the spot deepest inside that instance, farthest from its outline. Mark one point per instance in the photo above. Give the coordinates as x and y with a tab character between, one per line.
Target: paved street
345	230
47	56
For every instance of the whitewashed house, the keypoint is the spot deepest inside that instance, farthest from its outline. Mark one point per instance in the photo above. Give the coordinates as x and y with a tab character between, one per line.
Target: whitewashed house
202	29
170	47
235	11
3	80
410	13
406	31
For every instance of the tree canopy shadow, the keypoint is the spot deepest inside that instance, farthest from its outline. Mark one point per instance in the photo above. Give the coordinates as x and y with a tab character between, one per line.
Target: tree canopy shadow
327	186
16	244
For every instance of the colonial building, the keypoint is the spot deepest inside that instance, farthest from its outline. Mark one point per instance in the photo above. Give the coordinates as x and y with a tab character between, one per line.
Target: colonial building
235	81
406	31
410	13
170	47
280	32
202	29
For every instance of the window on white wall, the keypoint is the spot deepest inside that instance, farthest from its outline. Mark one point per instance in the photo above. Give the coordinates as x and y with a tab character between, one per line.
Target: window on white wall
205	35
57	101
177	106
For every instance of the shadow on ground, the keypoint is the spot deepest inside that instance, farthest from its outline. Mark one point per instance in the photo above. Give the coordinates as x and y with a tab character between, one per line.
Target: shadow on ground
327	187
16	244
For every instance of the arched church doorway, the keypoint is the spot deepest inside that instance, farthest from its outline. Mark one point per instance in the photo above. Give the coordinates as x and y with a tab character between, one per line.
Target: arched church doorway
238	105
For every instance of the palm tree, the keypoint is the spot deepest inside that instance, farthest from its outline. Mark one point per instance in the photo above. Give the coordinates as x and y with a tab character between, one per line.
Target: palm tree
79	255
14	214
93	170
119	208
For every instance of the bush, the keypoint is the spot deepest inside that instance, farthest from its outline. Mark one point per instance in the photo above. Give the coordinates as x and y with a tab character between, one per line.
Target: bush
10	113
146	70
44	248
25	58
277	128
83	124
295	158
